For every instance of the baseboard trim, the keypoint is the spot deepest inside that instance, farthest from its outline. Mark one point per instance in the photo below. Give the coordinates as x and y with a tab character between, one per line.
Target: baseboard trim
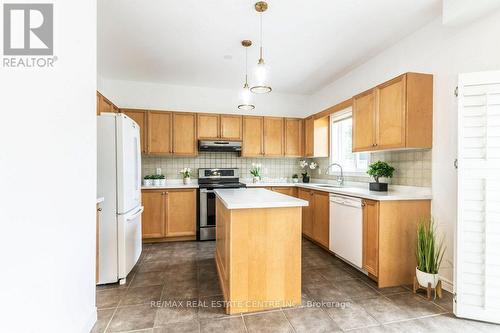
447	284
90	322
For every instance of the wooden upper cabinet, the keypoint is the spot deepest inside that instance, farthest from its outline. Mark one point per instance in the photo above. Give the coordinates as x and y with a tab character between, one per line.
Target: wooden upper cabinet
104	104
154	216
273	136
363	121
321	218
181	213
98	102
140	117
322	137
231	127
370	236
184	134
396	114
208	126
253	127
391	111
306	194
309	136
293	137
159	132
317	137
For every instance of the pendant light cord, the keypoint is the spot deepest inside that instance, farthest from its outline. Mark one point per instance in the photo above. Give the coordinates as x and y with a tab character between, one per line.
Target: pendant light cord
246	65
261	34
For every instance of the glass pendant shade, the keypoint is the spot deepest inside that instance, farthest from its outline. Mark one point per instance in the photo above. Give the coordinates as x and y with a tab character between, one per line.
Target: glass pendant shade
261	72
246	96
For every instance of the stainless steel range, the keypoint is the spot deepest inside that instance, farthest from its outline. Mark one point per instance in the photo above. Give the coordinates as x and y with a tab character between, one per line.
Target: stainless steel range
208	180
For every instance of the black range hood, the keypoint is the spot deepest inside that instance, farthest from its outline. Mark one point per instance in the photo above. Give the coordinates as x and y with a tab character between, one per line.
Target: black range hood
219	146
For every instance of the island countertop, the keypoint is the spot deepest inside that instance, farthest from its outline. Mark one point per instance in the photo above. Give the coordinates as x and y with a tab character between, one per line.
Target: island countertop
248	198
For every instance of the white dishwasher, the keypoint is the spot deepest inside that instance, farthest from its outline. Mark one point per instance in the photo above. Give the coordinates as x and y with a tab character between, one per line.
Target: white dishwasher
346	228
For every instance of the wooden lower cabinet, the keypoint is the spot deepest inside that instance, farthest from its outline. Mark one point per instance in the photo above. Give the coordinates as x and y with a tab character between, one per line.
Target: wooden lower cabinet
321	218
287	190
316	217
169	214
306	195
370	237
389	239
181	213
154	218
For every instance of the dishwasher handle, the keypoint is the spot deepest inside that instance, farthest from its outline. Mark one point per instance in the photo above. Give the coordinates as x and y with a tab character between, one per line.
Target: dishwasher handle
347	201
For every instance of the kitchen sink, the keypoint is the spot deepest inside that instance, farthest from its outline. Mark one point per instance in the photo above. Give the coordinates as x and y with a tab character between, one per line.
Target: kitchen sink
329	186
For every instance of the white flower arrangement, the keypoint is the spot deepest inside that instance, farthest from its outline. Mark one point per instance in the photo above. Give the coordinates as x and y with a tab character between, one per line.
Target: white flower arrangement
255	170
186	173
303	164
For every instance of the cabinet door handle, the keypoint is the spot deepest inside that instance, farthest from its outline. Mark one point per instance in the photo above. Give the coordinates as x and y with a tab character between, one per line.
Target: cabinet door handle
99	209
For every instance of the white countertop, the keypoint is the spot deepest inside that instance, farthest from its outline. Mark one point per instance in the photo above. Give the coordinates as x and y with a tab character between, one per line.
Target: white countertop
99	200
360	190
174	183
245	198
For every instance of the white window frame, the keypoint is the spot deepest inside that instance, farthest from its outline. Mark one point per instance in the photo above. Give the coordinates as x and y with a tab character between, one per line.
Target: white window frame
334	146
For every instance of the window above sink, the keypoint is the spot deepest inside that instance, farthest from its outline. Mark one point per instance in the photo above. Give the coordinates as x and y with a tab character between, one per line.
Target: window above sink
341	145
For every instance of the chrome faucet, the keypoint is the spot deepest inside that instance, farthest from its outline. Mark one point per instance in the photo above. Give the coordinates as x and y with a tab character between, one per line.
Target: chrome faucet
340	179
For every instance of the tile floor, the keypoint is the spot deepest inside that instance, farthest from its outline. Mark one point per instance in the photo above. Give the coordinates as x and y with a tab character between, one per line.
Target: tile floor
185	272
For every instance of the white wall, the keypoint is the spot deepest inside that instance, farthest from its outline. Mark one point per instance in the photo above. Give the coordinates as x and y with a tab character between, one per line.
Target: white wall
444	52
48	182
156	96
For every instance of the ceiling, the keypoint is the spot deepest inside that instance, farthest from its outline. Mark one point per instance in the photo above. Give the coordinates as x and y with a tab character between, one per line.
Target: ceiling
307	44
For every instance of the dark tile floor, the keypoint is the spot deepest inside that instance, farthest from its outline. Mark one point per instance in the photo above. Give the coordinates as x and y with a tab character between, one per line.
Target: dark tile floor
178	276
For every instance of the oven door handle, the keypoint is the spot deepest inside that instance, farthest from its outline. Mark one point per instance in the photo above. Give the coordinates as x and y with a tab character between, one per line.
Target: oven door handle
207	191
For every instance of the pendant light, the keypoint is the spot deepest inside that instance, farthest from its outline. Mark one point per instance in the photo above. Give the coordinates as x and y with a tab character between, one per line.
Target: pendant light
245	92
261	71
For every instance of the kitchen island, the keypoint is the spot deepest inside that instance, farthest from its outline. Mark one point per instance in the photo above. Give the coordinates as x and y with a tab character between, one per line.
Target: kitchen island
258	249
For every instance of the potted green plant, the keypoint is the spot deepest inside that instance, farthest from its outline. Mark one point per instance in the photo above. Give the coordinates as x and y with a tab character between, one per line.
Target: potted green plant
429	253
295	178
379	170
186	175
255	171
147	181
158	180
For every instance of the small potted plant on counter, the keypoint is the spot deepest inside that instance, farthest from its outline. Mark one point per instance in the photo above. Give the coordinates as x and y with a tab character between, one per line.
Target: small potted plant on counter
429	254
295	178
147	181
379	170
255	171
305	176
186	175
158	180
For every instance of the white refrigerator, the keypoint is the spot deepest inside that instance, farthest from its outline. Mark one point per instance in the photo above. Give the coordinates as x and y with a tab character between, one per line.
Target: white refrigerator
119	182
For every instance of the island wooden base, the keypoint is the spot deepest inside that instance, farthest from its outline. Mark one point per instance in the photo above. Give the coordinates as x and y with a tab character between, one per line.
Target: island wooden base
258	256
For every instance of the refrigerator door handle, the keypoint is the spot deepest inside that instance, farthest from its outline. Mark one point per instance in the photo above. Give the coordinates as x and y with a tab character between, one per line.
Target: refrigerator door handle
133	217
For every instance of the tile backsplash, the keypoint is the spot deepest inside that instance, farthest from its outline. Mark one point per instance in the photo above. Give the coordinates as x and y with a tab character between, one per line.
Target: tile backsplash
413	167
271	167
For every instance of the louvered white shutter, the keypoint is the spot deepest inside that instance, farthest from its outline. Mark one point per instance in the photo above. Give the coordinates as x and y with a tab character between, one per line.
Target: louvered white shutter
477	259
